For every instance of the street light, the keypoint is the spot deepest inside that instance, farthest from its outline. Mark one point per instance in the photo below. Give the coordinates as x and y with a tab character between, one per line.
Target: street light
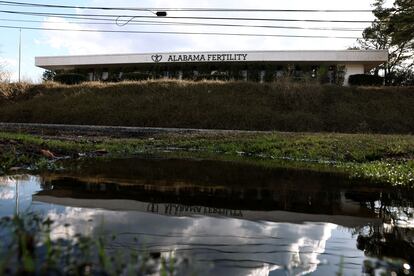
20	51
157	13
161	13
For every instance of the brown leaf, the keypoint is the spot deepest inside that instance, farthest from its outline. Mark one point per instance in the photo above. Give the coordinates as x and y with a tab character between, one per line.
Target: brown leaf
47	153
101	151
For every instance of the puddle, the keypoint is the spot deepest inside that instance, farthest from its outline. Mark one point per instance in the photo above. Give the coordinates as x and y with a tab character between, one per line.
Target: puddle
225	218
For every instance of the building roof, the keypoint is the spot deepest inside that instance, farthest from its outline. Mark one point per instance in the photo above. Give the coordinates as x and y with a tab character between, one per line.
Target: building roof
140	206
369	58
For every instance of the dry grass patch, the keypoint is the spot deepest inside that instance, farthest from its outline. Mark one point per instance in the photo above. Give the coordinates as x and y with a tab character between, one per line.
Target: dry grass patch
281	106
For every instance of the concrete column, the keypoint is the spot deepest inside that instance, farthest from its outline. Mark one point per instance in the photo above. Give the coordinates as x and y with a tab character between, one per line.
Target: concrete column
352	69
195	74
244	75
105	75
262	75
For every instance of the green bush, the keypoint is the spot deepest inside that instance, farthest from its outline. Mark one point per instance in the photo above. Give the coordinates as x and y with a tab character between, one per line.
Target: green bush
135	76
69	78
48	75
362	79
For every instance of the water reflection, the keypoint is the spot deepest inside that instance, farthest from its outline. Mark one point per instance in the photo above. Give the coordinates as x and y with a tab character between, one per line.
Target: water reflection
16	193
227	218
225	245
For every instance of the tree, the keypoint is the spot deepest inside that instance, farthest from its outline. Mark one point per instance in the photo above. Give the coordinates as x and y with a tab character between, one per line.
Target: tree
401	22
4	73
392	29
48	75
402	77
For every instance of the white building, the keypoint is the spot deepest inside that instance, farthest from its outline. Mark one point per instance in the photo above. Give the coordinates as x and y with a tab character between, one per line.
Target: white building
244	65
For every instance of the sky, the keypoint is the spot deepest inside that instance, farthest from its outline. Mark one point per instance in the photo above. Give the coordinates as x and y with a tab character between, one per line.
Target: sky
51	43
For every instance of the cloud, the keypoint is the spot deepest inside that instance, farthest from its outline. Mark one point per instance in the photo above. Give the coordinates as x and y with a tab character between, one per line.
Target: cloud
295	247
7	194
100	43
8	62
10	69
80	42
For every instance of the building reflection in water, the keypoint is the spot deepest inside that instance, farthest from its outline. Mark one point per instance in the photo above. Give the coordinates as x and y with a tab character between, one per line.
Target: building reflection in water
230	218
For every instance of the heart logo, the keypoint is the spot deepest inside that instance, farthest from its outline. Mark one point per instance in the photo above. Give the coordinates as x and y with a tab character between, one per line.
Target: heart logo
156	58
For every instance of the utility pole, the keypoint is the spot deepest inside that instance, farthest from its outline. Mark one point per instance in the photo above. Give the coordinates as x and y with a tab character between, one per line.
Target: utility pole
20	51
17	196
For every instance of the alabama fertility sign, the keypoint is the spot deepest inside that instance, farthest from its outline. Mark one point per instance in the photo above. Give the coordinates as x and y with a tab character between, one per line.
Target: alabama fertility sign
198	57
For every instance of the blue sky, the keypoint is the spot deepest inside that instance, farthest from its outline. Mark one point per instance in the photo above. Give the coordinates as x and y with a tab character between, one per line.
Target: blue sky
31	39
45	43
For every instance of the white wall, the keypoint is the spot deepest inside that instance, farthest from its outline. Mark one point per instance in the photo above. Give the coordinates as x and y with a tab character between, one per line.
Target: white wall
328	57
352	69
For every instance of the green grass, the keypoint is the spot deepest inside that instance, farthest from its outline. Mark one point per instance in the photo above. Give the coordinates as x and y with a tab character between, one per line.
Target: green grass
382	158
304	146
396	173
214	105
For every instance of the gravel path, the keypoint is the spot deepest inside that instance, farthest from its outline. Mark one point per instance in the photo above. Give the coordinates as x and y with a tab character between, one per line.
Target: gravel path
110	131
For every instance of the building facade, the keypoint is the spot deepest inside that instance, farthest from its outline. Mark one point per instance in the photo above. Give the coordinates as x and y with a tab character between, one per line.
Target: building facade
324	66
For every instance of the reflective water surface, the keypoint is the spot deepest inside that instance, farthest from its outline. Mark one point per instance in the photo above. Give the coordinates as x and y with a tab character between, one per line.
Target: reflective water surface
226	218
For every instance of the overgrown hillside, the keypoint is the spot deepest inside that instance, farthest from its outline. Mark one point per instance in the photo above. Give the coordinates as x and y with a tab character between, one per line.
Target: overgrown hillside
217	105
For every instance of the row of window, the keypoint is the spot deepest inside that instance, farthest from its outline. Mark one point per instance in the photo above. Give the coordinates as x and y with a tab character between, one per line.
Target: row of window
328	73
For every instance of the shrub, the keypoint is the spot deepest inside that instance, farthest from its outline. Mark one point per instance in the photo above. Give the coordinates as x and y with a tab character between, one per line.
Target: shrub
48	75
69	78
135	76
219	77
401	77
362	79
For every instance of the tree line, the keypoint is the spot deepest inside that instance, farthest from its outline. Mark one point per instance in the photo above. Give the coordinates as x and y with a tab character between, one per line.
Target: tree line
392	29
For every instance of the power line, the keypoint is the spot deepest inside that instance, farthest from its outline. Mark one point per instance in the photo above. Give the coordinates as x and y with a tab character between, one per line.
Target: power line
177	33
187	17
168	23
13	3
76	17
